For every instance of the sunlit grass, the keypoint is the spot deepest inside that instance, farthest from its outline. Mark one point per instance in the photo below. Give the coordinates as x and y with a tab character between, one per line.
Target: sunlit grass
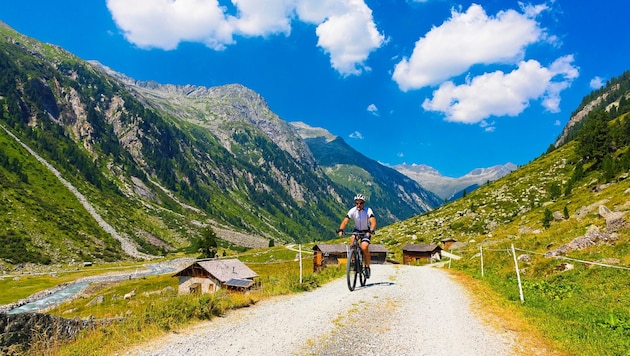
20	286
157	309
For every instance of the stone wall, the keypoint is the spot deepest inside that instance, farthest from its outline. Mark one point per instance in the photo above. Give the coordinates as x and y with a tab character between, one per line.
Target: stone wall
19	332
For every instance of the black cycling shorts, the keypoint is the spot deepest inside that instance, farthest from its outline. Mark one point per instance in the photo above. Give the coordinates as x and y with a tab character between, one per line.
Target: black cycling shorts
364	238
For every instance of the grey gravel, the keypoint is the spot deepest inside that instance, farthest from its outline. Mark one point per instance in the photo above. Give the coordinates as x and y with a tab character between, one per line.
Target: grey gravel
403	310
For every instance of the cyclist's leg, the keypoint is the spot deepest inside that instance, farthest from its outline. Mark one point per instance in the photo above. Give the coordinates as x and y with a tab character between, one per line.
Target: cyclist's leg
366	252
352	237
366	256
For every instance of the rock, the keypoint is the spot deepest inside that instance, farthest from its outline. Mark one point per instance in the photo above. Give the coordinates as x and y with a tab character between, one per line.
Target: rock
528	230
564	267
603	211
590	239
98	300
69	311
130	294
524	258
558	216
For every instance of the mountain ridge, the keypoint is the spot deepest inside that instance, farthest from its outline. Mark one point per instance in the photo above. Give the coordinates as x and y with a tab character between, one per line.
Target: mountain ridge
449	187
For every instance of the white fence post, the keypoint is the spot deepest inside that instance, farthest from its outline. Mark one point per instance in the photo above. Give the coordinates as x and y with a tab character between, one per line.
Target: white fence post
481	254
518	275
300	263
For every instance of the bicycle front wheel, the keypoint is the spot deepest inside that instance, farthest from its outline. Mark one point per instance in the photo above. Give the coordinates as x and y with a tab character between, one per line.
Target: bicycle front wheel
351	269
362	272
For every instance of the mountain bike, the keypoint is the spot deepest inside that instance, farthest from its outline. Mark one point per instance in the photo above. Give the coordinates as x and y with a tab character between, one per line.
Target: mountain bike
356	265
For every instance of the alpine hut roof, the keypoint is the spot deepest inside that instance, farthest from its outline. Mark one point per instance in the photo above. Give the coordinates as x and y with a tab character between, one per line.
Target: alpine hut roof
222	270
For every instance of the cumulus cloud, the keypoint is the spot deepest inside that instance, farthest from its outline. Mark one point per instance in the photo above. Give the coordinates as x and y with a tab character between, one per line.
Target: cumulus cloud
165	23
373	109
500	94
356	135
345	28
466	39
596	83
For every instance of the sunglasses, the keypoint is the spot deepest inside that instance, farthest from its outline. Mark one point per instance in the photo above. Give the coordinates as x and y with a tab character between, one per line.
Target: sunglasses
359	202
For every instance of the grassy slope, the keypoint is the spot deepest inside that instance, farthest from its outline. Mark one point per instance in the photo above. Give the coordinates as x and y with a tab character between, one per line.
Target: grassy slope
586	310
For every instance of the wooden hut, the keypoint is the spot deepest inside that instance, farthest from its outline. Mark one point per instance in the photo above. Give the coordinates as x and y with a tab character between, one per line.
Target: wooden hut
413	253
378	254
334	254
447	243
207	276
329	254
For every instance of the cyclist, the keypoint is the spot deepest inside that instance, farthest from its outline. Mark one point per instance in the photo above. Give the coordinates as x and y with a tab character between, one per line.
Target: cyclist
364	222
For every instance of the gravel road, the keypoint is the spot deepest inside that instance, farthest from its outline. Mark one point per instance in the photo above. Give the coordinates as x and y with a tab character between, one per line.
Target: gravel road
403	310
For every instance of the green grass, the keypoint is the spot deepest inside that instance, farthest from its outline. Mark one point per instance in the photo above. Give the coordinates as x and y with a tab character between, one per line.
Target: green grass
20	286
585	310
157	309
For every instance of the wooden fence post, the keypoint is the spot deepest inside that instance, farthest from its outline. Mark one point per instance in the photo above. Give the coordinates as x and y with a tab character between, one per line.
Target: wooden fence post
300	263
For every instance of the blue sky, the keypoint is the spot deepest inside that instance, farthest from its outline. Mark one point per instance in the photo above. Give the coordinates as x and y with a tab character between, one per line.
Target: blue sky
455	85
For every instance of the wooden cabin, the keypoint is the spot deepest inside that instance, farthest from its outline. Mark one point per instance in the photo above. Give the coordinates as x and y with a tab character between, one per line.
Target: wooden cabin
447	243
414	253
334	254
208	276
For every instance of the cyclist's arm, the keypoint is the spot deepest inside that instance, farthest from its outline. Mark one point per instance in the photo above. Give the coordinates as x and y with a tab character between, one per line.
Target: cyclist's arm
343	224
372	223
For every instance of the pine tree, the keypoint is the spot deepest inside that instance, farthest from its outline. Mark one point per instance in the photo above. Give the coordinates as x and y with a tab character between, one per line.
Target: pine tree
207	244
547	218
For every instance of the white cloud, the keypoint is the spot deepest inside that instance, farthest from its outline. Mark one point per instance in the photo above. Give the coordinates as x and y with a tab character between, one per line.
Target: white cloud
596	83
262	18
345	28
487	127
373	109
500	94
466	39
356	135
165	23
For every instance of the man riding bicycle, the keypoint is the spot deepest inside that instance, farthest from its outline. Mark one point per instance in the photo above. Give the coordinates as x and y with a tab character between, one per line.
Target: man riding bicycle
364	222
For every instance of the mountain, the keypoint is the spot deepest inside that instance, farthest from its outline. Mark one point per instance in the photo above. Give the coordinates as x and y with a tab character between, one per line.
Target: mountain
158	164
95	165
448	188
393	195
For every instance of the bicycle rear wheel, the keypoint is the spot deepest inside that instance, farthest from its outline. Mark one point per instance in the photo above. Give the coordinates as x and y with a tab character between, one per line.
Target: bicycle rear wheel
351	269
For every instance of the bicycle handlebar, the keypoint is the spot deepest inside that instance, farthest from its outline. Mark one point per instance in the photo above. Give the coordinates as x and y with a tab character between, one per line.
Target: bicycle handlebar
357	233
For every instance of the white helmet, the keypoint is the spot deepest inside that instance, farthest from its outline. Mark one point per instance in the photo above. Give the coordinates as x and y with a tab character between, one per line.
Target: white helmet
359	197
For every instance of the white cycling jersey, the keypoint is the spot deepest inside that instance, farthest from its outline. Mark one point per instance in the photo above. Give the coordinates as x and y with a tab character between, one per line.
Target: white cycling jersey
361	218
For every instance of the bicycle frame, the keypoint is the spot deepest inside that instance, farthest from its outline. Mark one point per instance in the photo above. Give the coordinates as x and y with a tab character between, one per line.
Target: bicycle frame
355	267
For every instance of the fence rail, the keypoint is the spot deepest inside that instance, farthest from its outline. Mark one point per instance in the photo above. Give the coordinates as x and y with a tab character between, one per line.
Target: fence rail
512	251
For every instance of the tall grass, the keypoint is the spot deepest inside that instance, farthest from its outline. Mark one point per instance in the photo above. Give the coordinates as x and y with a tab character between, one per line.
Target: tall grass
157	309
585	310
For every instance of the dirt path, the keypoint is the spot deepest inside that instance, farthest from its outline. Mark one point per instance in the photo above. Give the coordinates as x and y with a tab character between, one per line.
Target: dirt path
403	310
